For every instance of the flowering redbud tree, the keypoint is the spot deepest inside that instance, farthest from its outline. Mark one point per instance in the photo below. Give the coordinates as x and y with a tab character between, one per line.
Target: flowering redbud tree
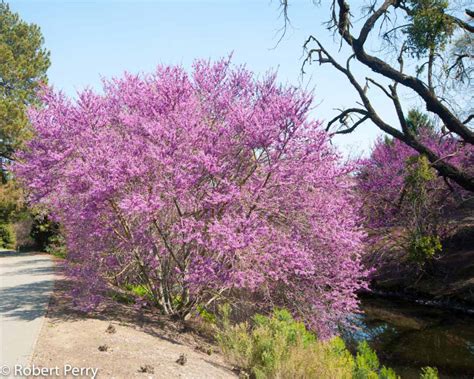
199	186
401	190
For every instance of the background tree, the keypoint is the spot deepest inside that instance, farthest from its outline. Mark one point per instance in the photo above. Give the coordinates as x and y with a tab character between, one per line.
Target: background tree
405	204
416	36
23	66
418	121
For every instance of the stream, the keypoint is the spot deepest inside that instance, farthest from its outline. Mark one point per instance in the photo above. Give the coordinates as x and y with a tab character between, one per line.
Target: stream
408	336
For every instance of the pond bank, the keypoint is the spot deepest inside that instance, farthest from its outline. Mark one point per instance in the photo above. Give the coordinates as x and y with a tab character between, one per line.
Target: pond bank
447	280
408	336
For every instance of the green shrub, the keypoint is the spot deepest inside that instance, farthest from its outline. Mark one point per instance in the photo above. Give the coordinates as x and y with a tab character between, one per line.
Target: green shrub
423	248
46	233
429	373
122	298
12	204
206	315
421	212
138	290
7	236
277	346
56	246
280	347
320	359
367	365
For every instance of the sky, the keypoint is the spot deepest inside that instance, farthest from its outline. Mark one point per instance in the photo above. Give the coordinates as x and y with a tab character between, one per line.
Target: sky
89	40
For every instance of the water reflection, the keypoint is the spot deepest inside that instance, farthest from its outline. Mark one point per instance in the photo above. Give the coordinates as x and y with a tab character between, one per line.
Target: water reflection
409	336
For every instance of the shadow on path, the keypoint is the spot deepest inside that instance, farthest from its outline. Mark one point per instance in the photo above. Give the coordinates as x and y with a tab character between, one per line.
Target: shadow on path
25	301
29	271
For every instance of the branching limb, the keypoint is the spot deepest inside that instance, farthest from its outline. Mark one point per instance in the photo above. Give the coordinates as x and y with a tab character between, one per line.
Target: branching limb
370	80
344	117
444	168
433	103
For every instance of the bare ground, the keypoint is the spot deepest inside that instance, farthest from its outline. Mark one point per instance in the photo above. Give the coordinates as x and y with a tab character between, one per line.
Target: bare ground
142	344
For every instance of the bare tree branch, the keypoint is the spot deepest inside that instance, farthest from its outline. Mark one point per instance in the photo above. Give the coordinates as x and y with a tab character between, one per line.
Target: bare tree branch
468	119
370	80
340	22
444	168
